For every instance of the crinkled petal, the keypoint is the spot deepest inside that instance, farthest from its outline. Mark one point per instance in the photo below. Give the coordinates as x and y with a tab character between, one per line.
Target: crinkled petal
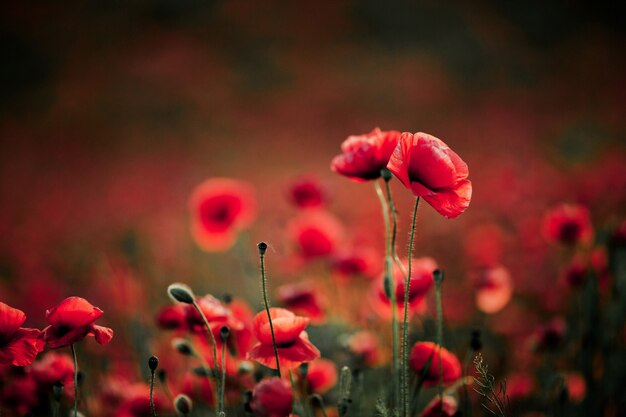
58	339
289	357
102	334
449	202
399	160
22	348
73	312
10	320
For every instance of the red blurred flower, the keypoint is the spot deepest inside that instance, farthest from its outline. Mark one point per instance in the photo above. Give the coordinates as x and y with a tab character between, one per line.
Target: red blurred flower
19	346
580	267
171	317
433	171
136	402
519	386
364	156
548	336
367	346
52	368
316	234
440	408
307	192
425	352
358	262
494	289
322	375
216	313
220	207
576	387
72	320
569	224
303	299
292	342
272	398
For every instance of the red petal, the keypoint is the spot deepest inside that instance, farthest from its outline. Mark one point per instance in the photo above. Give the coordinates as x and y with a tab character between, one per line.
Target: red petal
449	202
22	348
56	340
289	357
103	334
10	320
73	312
401	156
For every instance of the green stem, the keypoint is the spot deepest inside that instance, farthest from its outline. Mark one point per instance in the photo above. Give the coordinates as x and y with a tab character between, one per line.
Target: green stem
75	380
211	337
267	309
405	319
390	284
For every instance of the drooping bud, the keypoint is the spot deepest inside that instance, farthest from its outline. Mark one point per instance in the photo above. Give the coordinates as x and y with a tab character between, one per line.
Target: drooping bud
153	363
181	293
183	404
262	248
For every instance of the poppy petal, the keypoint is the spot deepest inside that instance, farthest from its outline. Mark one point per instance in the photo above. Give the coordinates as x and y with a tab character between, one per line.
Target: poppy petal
102	334
73	312
10	320
22	348
449	202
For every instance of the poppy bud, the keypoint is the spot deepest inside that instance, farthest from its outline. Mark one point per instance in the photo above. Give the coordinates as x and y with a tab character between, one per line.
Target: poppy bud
224	332
181	293
385	174
162	375
202	371
57	391
182	346
153	363
183	404
475	342
262	248
345	380
227	298
438	276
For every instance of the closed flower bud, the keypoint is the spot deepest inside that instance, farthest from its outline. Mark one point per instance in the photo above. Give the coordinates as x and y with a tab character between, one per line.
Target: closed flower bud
181	293
262	248
183	404
153	363
224	332
182	346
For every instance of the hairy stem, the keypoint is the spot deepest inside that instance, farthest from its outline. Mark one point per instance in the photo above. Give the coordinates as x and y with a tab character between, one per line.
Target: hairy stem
267	309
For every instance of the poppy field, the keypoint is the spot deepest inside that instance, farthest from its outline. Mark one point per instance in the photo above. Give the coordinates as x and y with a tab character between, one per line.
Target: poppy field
223	210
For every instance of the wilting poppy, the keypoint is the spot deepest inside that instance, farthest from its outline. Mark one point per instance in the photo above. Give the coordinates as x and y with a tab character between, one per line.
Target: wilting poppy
432	171
316	234
427	353
569	224
437	407
272	397
18	345
321	375
220	208
364	156
307	193
73	319
292	342
494	289
302	298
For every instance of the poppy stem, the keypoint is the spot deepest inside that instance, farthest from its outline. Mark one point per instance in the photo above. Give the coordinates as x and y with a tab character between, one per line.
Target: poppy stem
438	278
262	248
224	332
75	380
212	339
405	319
151	393
390	289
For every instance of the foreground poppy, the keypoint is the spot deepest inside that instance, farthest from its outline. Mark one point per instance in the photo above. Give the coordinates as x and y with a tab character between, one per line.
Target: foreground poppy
433	171
427	353
292	342
364	156
220	208
272	398
569	224
18	345
73	319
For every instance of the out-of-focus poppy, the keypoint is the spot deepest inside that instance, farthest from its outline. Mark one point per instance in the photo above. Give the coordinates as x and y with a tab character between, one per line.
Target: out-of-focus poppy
54	367
302	299
366	346
19	346
307	193
316	234
73	319
357	262
494	289
171	317
576	386
364	156
272	397
136	402
216	313
433	171
437	407
519	386
292	342
321	376
220	208
569	224
548	336
424	353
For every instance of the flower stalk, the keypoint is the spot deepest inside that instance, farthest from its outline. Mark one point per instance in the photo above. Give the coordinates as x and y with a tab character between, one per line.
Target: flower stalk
262	246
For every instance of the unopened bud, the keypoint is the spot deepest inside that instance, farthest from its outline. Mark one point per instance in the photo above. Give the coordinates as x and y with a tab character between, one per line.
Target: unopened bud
262	248
386	174
202	371
183	404
57	391
153	363
437	276
224	332
182	346
181	293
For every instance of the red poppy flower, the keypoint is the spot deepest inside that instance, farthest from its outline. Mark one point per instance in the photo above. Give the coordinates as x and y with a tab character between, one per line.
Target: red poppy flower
321	376
292	342
367	347
220	207
441	408
216	313
18	345
72	320
569	224
306	193
52	368
425	352
494	289
272	398
302	298
365	155
316	234
171	317
519	386
358	262
433	171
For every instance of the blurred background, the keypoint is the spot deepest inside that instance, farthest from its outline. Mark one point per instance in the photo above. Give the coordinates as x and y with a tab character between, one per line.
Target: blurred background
111	112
